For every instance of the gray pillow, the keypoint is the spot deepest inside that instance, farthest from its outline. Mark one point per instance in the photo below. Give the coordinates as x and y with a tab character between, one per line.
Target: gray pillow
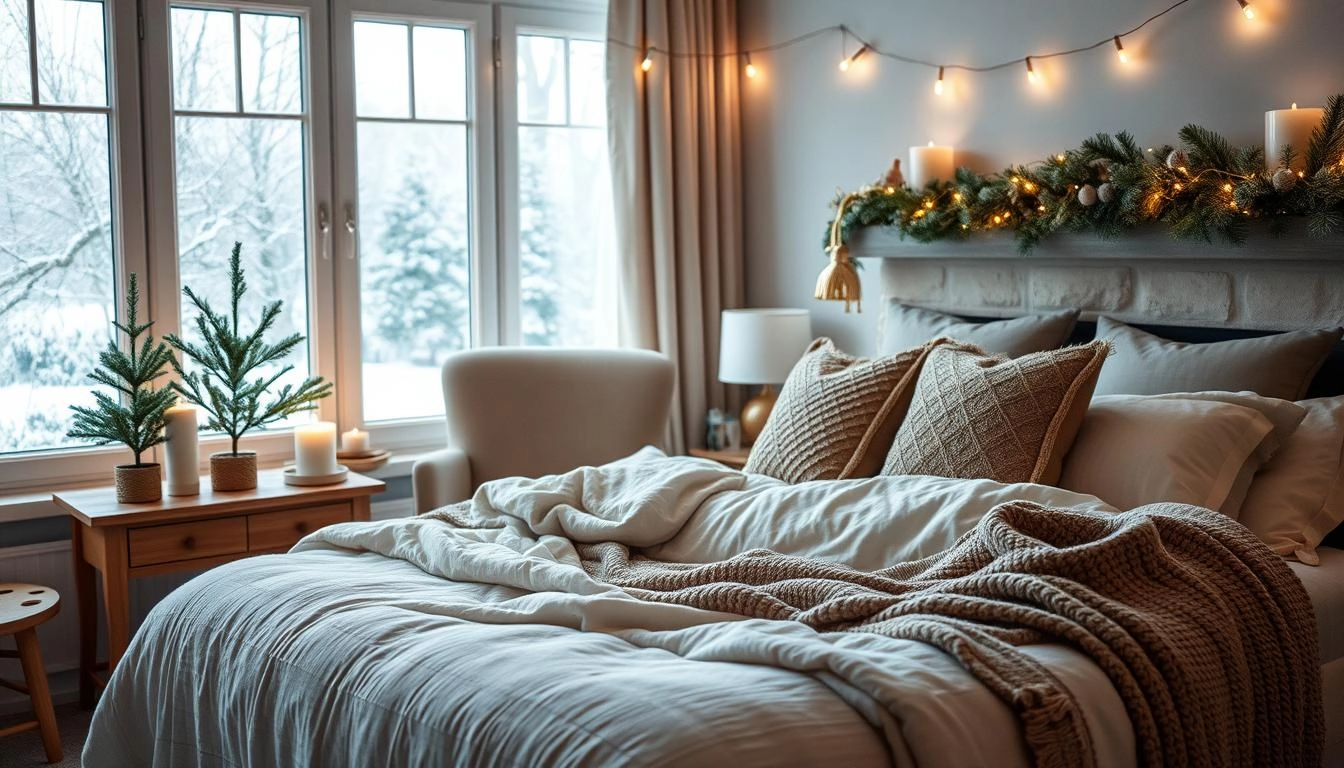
1280	366
908	327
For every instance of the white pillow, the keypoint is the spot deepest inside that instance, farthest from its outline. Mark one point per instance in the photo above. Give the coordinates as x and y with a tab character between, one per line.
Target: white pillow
1298	497
1188	448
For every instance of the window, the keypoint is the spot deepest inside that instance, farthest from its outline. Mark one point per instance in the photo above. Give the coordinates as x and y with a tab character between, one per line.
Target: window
241	162
559	208
57	233
411	178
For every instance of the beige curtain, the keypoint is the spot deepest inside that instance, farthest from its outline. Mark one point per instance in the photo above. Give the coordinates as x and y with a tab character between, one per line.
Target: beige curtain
676	152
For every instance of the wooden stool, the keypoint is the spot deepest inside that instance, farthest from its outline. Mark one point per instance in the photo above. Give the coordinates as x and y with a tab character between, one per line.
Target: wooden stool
22	608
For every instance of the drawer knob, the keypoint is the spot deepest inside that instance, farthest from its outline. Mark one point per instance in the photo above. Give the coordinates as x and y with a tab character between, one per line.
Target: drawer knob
301	527
189	542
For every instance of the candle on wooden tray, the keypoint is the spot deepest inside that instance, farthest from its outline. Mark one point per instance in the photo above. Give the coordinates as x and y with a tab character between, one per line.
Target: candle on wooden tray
181	456
315	449
354	441
930	162
1290	126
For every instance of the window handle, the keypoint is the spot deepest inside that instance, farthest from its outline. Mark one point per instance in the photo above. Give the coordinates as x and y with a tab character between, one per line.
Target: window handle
323	227
350	219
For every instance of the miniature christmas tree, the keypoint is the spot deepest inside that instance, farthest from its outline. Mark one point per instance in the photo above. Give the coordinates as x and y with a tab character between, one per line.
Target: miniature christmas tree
135	420
226	357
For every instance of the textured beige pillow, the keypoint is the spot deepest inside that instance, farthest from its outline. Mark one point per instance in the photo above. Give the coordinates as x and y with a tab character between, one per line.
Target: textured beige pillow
1191	448
906	327
1280	366
1298	497
836	414
1007	420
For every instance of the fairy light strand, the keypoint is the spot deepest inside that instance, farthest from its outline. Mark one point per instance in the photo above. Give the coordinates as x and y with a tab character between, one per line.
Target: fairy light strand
848	35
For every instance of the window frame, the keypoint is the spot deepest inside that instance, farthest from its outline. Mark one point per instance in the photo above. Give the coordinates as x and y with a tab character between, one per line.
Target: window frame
26	470
143	194
478	19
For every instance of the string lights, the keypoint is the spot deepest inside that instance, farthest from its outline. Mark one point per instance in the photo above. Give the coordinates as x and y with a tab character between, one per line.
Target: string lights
942	67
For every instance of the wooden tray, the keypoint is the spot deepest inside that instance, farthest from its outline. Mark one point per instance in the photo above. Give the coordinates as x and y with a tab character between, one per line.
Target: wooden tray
364	460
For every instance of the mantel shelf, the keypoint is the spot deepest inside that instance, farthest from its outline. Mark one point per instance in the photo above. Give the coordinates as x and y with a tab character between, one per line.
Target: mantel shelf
1149	243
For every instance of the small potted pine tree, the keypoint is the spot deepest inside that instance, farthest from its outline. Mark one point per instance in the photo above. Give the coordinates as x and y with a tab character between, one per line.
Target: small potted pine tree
218	380
135	417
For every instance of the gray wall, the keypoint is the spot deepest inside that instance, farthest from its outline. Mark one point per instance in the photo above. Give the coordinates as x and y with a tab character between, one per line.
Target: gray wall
810	129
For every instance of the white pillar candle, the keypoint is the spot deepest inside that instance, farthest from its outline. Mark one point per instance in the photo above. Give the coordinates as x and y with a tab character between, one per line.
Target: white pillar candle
315	449
181	456
354	441
930	162
1290	126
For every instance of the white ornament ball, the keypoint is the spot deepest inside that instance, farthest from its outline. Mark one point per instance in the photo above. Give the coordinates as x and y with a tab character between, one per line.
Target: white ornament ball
1178	159
1106	193
1284	180
1087	195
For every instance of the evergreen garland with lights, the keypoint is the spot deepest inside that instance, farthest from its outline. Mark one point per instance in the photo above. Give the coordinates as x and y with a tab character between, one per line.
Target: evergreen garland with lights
1200	189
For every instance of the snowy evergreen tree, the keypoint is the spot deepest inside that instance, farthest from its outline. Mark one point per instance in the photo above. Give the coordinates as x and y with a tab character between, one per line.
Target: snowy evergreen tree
421	292
537	249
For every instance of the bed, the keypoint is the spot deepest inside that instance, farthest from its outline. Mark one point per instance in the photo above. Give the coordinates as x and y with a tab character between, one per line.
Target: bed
491	634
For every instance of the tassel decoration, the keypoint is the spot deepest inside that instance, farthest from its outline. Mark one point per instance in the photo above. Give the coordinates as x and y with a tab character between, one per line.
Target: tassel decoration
839	281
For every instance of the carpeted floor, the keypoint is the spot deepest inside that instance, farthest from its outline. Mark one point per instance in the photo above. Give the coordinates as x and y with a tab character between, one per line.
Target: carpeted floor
25	749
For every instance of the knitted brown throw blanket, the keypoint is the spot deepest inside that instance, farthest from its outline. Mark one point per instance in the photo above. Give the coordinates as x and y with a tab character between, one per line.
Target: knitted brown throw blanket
1207	636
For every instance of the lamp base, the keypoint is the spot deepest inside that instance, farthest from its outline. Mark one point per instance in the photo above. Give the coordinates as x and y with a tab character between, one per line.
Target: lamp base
756	412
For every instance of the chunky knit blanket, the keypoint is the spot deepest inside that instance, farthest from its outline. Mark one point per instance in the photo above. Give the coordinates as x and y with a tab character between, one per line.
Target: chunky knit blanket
1207	636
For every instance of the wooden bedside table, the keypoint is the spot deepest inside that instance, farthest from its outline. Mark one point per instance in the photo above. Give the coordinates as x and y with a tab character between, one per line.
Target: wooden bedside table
728	457
177	533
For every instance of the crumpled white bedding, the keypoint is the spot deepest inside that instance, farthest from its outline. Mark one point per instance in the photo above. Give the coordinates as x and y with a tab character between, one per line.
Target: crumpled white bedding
355	650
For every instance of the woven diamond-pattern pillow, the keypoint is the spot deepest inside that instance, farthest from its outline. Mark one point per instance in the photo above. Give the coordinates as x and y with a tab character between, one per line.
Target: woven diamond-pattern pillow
974	416
836	414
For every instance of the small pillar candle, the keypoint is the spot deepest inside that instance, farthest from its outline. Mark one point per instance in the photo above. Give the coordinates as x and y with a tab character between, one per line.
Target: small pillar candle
1290	126
181	456
930	162
315	449
354	441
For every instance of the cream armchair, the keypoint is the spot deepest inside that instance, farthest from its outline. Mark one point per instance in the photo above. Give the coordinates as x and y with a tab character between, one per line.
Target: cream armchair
532	411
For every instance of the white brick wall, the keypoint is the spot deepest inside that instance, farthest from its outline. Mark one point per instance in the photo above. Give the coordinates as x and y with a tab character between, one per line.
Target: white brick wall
1268	284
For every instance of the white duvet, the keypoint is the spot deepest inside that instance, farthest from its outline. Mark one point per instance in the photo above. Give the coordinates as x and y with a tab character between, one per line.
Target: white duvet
414	642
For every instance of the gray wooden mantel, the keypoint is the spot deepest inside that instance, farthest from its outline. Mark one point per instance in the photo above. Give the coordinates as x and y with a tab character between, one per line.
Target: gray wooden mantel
1269	283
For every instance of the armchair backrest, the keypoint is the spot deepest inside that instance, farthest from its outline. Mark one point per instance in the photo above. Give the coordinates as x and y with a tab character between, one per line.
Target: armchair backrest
534	411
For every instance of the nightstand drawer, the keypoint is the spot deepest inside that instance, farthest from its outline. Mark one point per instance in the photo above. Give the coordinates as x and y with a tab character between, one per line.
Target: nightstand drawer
280	530
187	541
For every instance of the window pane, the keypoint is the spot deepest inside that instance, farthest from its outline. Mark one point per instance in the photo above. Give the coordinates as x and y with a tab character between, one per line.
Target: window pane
204	66
587	82
414	249
56	258
566	237
272	77
243	180
382	73
440	73
71	55
15	83
541	79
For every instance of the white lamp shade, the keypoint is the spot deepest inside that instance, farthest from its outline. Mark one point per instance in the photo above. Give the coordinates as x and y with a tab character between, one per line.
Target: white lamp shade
760	346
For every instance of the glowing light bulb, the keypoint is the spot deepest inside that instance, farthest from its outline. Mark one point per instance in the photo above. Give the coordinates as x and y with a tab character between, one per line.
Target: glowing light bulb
938	84
1059	158
956	196
751	68
1227	187
1246	9
647	63
1120	51
1032	77
845	63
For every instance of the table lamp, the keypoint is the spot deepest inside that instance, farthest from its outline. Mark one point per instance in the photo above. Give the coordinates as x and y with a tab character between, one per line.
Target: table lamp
760	346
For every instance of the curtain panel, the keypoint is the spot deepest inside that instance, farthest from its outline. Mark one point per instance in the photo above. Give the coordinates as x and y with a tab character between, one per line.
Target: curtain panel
676	163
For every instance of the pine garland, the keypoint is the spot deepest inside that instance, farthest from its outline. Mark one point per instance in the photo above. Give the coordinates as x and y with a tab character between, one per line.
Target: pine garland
1201	189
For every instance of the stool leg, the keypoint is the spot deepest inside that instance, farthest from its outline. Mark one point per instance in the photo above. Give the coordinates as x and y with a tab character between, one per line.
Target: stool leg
35	675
